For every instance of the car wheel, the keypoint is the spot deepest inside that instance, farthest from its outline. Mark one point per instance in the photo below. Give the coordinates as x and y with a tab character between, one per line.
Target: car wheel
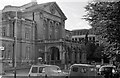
46	76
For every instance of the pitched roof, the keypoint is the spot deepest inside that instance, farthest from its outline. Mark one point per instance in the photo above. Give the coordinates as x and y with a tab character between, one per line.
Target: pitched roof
33	6
36	7
43	6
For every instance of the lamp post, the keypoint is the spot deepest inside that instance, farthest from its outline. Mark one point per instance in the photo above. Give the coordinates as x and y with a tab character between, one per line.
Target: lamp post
15	47
15	36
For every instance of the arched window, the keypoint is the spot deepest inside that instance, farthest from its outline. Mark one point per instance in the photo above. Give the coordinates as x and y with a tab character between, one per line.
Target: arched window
3	31
45	24
56	30
55	53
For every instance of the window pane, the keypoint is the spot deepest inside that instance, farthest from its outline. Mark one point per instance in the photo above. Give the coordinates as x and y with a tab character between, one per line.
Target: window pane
83	70
34	69
41	69
75	69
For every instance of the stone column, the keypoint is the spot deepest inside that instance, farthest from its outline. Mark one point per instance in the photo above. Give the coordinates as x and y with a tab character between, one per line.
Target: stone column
60	50
45	54
63	59
73	57
83	57
78	57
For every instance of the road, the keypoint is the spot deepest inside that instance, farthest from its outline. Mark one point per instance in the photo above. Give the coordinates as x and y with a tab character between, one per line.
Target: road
19	73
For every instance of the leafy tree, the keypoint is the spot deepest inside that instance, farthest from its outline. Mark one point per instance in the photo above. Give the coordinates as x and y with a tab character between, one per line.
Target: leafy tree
104	17
90	49
99	52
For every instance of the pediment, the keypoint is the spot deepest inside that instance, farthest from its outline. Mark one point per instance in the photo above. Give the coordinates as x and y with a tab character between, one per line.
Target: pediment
50	8
54	9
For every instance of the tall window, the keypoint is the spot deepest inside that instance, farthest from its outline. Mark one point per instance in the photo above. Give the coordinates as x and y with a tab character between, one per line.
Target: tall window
11	29
27	33
75	39
79	39
8	30
9	52
56	31
50	33
3	31
0	31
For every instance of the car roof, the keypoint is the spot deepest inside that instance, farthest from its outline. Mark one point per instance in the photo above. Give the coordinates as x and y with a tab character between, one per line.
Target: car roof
108	66
83	65
45	65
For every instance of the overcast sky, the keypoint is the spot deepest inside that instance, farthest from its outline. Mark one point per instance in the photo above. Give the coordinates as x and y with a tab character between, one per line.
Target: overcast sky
73	9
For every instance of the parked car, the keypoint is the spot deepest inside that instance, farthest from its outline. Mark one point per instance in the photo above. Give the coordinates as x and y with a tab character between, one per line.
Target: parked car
108	71
118	69
44	71
82	71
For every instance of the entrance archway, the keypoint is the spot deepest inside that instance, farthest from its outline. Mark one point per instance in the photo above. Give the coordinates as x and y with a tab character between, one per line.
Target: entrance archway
55	54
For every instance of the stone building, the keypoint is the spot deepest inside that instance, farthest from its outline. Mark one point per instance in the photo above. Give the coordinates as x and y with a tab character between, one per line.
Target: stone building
17	37
79	35
38	30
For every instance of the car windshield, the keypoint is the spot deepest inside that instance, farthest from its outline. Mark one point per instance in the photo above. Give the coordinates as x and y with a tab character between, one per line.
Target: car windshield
109	69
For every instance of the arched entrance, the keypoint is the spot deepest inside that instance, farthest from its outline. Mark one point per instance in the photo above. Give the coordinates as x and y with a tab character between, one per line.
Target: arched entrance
54	55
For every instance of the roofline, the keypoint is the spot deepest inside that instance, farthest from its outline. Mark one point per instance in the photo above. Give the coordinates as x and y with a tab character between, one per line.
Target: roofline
79	29
61	11
82	65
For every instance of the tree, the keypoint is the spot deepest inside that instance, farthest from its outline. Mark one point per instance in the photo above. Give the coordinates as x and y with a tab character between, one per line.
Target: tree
98	51
90	49
104	17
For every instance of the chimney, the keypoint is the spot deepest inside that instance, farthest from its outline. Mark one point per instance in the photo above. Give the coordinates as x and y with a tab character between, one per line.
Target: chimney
34	1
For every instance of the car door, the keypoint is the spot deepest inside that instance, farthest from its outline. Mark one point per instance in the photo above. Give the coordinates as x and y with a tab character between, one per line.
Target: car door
52	72
34	71
41	72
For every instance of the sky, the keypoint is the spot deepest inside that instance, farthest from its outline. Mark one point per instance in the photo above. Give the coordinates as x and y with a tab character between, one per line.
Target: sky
73	10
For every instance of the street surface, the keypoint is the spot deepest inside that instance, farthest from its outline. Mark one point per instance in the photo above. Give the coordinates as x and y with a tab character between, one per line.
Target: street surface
19	73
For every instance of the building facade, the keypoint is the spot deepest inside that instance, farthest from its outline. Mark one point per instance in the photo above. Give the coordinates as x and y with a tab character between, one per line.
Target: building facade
17	37
38	30
79	35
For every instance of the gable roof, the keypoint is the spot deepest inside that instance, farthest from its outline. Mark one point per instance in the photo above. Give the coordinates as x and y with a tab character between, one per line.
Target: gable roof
60	11
43	6
33	6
